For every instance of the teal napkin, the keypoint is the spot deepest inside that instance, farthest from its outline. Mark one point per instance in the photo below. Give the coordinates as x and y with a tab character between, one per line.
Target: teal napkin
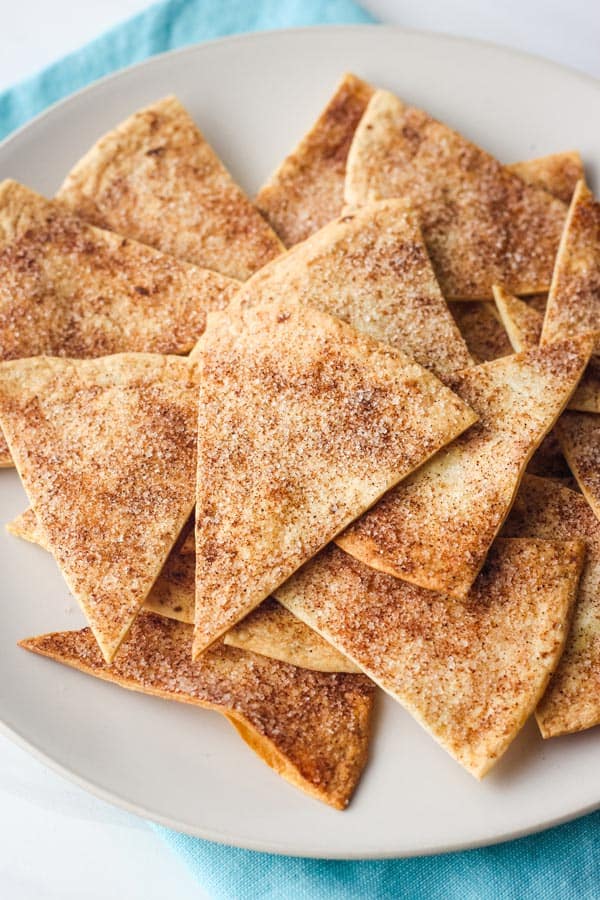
561	864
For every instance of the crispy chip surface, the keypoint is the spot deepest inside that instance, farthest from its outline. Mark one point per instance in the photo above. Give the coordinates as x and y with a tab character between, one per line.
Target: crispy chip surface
371	269
436	528
579	437
523	323
482	224
106	452
156	179
303	424
557	173
274	631
312	728
545	509
471	671
307	190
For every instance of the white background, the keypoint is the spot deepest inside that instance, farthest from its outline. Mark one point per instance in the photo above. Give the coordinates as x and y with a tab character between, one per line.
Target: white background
57	842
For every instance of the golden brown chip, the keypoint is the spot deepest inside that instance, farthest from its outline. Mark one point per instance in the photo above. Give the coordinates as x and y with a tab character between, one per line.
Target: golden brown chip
68	289
311	727
481	328
106	452
522	322
307	190
482	224
574	300
370	269
579	437
273	631
436	528
557	173
156	179
471	672
25	526
303	424
544	509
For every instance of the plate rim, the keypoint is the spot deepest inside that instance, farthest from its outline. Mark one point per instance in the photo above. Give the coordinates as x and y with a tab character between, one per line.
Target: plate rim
88	784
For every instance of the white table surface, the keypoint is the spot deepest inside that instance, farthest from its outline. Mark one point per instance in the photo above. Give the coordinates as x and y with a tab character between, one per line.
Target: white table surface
56	841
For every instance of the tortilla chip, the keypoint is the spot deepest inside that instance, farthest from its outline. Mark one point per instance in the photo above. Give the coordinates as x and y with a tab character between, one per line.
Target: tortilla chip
579	437
303	424
307	190
522	322
544	509
471	671
436	528
538	302
312	728
156	179
574	300
68	289
557	173
482	224
26	526
271	630
482	330
106	452
370	269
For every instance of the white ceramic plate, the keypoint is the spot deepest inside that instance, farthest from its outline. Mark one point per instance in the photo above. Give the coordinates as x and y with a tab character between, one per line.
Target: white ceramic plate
253	97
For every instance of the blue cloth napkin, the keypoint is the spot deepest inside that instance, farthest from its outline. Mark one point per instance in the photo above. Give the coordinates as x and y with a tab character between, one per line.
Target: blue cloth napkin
561	863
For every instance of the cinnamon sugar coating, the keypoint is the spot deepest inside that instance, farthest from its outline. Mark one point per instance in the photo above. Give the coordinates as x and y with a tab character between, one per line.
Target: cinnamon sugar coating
545	509
557	173
307	189
471	672
155	178
312	728
106	450
482	224
303	424
436	527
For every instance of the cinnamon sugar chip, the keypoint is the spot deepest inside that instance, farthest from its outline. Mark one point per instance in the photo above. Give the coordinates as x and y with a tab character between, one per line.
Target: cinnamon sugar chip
522	322
436	528
307	190
579	437
544	509
303	424
574	300
156	179
481	328
311	727
557	173
172	593
370	269
273	631
482	224
106	452
472	671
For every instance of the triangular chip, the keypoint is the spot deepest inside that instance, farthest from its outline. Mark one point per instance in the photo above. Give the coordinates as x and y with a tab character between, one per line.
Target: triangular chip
370	269
482	224
172	593
579	437
471	672
303	424
307	190
106	452
273	631
156	179
436	528
544	509
311	727
481	328
557	173
522	322
574	300
68	289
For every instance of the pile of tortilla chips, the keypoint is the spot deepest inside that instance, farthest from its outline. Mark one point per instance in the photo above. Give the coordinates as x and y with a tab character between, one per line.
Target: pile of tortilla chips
344	438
